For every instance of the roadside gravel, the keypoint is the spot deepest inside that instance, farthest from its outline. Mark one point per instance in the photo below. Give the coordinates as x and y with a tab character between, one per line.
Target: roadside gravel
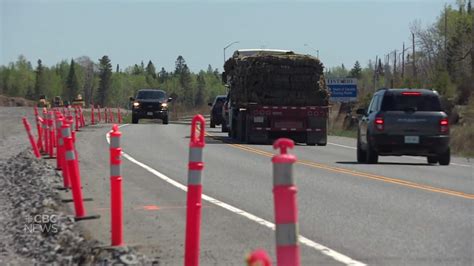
37	228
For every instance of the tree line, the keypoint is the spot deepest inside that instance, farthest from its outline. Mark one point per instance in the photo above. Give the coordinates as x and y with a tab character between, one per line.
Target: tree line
99	84
439	56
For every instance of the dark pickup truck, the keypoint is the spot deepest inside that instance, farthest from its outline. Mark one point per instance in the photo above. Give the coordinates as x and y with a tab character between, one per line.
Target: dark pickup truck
404	122
150	103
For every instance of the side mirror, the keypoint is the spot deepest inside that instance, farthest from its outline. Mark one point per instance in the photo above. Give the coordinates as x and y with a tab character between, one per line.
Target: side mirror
361	111
210	104
170	99
132	99
224	78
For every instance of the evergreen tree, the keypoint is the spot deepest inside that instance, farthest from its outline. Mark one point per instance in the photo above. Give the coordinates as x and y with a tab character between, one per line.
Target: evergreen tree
356	71
469	7
40	82
117	70
209	69
136	70
72	83
150	69
163	75
179	65
201	87
105	79
185	83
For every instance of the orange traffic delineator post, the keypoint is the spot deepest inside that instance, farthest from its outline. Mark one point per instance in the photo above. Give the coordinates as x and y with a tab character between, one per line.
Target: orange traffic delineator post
111	115
41	135
83	120
39	142
259	258
119	115
98	114
76	117
31	138
116	200
59	119
286	207
92	115
65	131
45	131
51	135
75	178
52	129
194	194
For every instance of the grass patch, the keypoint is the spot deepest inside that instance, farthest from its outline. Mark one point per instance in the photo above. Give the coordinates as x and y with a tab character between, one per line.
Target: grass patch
462	140
343	133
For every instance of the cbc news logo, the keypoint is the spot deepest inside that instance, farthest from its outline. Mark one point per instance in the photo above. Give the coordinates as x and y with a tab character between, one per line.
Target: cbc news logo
42	223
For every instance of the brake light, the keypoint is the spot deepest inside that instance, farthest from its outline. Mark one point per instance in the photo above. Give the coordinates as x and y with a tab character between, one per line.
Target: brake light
411	93
444	125
379	123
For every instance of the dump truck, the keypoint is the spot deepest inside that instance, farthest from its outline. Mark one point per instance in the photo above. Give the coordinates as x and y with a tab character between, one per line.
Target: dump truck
78	101
276	93
43	102
58	102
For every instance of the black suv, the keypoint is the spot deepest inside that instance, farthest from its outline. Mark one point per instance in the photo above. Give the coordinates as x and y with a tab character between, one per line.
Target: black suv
216	110
404	122
150	103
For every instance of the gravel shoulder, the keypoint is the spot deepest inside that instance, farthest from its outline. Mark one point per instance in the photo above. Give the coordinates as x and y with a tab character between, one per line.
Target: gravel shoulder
38	228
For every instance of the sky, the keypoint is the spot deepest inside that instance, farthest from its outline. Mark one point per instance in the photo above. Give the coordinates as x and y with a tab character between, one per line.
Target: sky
133	31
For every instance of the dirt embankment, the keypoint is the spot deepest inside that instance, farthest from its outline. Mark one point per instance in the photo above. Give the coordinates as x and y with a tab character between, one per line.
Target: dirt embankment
15	101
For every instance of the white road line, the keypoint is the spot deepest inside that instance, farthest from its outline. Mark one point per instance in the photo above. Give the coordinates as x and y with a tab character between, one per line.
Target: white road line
343	146
303	240
412	157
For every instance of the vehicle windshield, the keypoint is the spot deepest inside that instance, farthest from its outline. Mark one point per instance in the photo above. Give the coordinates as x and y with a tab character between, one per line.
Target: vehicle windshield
151	95
393	102
220	100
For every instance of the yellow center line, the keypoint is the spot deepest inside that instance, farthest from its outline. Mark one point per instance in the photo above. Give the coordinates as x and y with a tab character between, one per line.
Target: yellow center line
358	173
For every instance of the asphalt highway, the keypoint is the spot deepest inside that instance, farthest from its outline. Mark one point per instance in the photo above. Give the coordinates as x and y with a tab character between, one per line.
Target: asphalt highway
401	211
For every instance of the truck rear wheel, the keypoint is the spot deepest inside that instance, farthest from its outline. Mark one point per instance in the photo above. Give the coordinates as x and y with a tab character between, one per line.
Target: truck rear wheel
224	127
445	157
134	119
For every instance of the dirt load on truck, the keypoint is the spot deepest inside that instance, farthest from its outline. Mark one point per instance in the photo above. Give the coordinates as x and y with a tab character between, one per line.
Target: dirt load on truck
276	93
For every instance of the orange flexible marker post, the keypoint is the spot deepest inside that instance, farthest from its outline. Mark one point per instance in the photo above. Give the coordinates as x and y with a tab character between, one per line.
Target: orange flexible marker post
194	194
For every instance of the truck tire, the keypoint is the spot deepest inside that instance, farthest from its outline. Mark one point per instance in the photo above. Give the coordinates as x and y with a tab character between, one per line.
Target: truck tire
213	125
361	154
372	156
445	157
134	119
224	127
165	120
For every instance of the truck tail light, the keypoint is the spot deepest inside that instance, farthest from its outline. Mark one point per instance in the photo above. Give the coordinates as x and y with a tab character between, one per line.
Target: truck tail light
444	125
411	93
379	123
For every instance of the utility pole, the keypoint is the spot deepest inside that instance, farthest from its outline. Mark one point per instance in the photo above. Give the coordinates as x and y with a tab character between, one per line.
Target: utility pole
403	62
446	37
413	55
395	64
376	72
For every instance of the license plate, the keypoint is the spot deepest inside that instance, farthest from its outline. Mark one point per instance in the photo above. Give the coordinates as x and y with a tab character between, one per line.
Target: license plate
412	139
149	113
258	119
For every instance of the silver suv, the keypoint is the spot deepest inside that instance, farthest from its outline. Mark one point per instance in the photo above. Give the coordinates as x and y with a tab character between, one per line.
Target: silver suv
404	122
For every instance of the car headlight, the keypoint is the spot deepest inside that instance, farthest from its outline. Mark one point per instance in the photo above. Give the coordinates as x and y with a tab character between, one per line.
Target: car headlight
164	105
136	104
